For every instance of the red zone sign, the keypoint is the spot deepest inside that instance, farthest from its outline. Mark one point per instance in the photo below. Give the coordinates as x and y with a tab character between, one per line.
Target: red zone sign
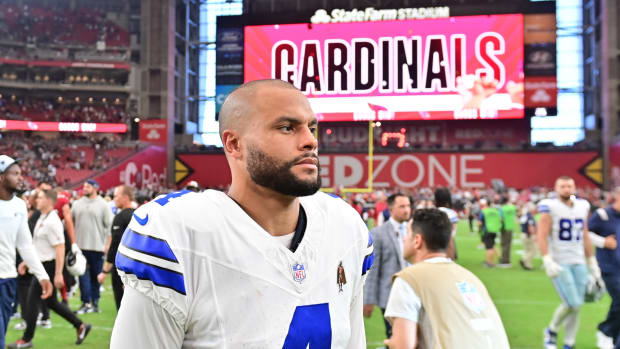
464	170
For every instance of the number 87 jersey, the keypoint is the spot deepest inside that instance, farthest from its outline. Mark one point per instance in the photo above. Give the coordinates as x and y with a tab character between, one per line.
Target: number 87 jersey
567	229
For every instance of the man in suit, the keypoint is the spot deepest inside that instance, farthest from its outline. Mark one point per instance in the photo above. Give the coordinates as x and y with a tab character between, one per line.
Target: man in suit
388	248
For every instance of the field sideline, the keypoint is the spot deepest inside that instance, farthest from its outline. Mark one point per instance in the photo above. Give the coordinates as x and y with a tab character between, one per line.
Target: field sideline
525	300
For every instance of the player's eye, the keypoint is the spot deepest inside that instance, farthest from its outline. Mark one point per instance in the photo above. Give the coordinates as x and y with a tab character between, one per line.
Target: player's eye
286	128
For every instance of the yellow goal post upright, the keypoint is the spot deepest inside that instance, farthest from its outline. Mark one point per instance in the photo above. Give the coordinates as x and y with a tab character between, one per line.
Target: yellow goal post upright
371	125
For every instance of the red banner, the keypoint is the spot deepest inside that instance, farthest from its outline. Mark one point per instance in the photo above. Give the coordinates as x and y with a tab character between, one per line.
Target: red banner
146	169
468	67
66	64
464	170
153	131
541	91
50	126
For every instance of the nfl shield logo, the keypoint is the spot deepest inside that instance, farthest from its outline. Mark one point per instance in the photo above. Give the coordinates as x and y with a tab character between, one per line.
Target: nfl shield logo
471	297
299	272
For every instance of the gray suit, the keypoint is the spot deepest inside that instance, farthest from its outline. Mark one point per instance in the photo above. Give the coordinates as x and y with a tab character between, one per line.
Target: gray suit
388	261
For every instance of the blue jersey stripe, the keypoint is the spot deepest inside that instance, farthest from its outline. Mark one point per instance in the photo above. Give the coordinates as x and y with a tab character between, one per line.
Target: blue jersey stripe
149	245
369	239
367	264
144	271
543	209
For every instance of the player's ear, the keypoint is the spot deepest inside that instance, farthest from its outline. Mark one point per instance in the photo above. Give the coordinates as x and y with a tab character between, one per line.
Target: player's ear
231	144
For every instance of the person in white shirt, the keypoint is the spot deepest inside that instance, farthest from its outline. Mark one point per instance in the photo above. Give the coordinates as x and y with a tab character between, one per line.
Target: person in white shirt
49	241
568	257
270	264
436	303
443	201
15	235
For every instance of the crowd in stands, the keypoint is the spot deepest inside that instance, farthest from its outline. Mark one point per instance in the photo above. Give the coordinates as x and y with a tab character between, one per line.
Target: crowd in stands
33	109
65	160
65	77
464	201
40	25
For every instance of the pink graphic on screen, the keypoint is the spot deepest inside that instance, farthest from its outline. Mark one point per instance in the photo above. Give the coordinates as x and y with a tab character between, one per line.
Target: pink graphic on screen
454	68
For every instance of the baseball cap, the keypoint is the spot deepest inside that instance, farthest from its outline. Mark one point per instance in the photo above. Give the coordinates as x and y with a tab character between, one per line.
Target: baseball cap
93	182
6	162
192	184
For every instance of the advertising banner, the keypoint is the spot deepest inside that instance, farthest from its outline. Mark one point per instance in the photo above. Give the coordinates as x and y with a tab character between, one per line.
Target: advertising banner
339	136
541	91
52	126
451	68
153	131
146	169
406	170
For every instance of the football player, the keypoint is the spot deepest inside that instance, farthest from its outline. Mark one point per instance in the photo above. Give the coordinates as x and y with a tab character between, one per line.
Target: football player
566	249
270	264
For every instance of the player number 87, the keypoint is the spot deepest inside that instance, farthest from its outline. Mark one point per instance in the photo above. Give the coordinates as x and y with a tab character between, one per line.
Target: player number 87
566	229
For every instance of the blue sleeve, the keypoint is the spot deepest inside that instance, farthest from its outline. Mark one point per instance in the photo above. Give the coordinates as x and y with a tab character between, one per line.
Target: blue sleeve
543	207
482	218
595	224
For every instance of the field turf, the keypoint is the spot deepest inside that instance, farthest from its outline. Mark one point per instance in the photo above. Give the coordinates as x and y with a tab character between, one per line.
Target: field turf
525	300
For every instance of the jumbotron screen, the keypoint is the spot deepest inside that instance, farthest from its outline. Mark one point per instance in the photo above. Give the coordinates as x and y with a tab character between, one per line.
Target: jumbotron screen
437	69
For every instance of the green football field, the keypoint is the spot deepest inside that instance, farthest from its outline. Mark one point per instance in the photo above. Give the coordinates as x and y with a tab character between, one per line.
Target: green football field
525	300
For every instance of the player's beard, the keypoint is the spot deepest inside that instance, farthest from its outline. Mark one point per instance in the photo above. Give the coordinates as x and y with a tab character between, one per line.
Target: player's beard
276	175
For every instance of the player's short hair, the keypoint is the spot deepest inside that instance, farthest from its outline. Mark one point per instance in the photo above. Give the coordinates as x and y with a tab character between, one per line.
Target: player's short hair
392	198
443	198
232	113
43	182
50	194
564	178
127	190
434	226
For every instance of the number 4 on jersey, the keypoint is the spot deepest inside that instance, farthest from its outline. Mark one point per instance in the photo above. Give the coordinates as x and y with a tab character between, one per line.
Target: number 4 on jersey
310	328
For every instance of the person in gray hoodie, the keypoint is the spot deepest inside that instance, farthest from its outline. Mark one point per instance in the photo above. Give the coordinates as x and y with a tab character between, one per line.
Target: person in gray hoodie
93	219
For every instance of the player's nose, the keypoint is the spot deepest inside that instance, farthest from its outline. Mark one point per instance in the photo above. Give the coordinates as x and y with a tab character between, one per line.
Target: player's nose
308	140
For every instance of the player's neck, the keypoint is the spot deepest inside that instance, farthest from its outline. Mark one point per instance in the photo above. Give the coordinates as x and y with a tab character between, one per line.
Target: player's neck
425	254
5	194
567	202
276	213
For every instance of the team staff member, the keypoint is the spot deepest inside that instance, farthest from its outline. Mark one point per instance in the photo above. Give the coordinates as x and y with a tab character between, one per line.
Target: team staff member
436	303
123	199
388	249
49	240
605	222
491	225
15	234
509	220
93	219
528	235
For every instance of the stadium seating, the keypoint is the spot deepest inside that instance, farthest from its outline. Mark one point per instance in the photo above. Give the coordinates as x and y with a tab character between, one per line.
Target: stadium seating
65	161
46	25
47	110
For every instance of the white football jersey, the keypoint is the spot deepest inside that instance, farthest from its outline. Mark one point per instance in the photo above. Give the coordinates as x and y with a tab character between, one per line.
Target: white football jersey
200	273
452	216
567	229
